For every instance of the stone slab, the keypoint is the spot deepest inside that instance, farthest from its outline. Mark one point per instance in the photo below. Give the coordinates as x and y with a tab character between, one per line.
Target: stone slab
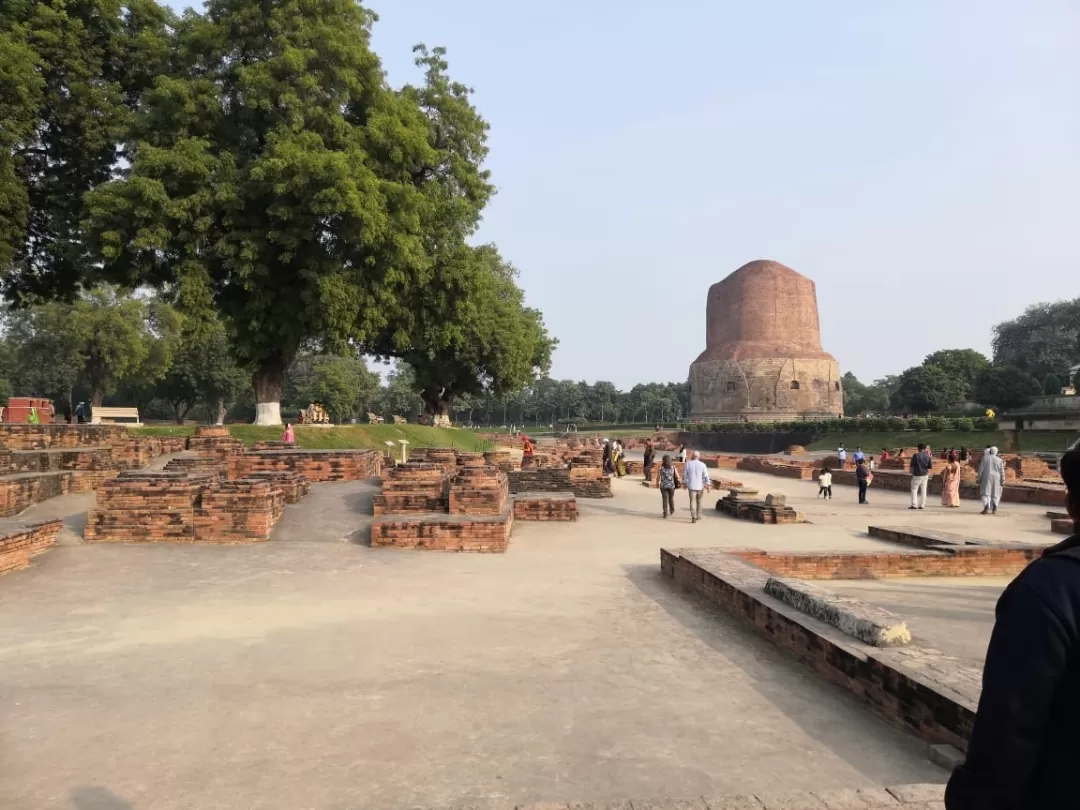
867	623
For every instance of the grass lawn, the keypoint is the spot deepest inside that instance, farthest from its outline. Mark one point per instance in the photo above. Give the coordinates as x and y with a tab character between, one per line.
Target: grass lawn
871	443
343	437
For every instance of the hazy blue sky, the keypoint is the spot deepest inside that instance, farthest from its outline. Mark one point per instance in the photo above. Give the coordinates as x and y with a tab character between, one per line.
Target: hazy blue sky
918	160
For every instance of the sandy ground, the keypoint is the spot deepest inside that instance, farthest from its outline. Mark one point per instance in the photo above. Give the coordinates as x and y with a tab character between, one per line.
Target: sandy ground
313	671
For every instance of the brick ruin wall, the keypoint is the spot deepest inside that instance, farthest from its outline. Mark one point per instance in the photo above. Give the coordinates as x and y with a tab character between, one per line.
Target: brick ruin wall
922	689
38	462
19	545
443	501
183	507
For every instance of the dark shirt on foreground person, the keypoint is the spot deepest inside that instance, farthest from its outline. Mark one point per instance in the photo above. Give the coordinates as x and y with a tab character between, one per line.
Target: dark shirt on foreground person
1026	738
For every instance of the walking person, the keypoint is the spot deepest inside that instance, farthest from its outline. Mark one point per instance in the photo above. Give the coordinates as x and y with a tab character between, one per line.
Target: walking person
920	465
1025	740
858	455
696	479
681	455
648	461
950	483
841	454
607	457
991	480
668	479
863	476
289	436
824	481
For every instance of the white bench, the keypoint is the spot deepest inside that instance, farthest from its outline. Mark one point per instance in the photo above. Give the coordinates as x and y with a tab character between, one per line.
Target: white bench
102	415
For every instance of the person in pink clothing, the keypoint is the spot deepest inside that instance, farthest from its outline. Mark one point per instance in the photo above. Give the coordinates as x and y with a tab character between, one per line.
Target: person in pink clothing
289	436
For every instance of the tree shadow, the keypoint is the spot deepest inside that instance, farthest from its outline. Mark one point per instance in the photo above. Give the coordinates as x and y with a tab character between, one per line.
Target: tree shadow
98	798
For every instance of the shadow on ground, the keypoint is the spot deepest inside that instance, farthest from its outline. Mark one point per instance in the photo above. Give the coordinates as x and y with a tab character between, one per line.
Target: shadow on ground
759	660
98	798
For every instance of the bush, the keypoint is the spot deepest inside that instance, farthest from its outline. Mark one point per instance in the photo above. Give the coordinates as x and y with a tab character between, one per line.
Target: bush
936	423
965	425
916	423
982	423
895	423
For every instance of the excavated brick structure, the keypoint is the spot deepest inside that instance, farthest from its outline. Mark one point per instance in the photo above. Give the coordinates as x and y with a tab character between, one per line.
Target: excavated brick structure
763	358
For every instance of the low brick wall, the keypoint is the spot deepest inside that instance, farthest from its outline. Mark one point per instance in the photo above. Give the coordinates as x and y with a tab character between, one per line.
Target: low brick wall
478	491
315	465
199	464
417	486
582	481
19	544
438	532
42	437
238	512
919	688
175	507
968	561
803	470
545	506
57	459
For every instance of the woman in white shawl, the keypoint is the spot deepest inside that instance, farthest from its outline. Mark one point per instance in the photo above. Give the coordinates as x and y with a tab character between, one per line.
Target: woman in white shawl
991	480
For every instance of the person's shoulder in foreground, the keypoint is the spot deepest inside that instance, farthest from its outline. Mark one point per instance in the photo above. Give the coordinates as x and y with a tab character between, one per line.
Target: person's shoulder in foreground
1025	740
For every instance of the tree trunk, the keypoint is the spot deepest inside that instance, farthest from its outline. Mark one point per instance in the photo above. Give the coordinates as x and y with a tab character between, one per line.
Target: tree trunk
269	382
96	395
220	408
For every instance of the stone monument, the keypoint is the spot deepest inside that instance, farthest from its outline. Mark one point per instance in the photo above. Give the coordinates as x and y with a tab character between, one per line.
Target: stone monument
763	358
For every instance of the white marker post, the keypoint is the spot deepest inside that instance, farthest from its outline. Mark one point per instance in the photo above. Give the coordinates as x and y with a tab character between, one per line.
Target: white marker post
404	450
389	448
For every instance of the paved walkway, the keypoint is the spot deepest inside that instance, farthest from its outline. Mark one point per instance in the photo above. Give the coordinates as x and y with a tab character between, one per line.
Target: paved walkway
313	671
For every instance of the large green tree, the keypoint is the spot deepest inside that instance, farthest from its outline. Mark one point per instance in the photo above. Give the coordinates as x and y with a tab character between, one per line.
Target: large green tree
963	365
1044	341
926	388
97	340
477	334
1005	388
70	76
203	372
342	383
274	166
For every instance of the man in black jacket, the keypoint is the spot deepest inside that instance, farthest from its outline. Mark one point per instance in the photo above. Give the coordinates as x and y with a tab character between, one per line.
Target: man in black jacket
1025	744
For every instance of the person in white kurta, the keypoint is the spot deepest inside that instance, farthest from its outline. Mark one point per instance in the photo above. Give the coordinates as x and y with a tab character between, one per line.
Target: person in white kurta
991	480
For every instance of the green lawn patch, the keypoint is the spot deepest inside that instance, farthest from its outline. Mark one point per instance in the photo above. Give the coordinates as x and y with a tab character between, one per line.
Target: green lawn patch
343	437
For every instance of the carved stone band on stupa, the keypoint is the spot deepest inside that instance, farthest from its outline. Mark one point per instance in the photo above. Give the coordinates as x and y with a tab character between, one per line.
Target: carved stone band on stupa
763	357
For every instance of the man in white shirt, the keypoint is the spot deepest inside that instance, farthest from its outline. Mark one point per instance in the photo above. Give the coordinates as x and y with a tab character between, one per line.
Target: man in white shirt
696	479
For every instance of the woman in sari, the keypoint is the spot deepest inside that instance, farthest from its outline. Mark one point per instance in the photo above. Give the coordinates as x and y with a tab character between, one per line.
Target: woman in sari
950	483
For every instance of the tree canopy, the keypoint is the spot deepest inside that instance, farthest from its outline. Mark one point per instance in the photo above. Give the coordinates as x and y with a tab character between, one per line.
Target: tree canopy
70	76
1005	388
275	166
475	334
1044	341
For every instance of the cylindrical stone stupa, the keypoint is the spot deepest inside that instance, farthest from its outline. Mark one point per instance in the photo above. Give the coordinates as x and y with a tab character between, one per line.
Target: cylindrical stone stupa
763	358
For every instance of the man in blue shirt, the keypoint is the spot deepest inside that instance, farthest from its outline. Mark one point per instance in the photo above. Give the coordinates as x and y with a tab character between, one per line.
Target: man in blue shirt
859	456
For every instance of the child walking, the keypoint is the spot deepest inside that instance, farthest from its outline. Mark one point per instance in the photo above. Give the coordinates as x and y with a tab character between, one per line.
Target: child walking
825	484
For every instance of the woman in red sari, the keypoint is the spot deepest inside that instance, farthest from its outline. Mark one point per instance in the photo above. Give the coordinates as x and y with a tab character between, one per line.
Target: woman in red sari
950	483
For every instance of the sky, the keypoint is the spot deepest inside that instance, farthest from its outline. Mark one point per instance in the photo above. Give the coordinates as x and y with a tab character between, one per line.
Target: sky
916	158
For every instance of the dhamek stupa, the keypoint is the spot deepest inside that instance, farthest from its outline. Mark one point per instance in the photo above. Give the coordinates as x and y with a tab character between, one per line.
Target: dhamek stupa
763	358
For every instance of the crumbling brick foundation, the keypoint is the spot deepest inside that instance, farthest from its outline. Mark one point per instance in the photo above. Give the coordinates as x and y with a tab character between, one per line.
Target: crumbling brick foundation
18	544
557	506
